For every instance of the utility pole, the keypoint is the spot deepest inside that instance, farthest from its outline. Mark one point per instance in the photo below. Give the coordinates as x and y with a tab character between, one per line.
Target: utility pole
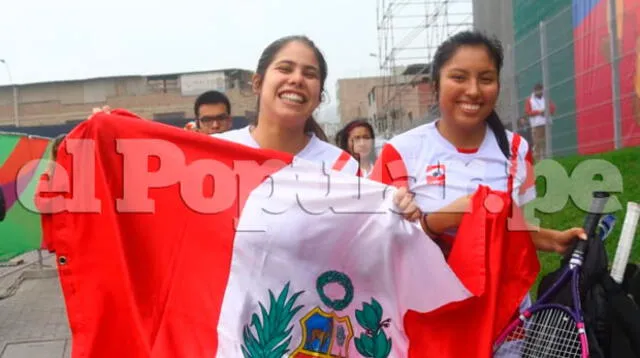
16	118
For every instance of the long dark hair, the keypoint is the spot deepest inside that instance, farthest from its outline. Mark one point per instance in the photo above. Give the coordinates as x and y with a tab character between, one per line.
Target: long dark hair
342	137
267	58
445	52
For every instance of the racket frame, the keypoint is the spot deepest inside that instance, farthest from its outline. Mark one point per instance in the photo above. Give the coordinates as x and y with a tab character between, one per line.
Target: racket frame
571	272
625	244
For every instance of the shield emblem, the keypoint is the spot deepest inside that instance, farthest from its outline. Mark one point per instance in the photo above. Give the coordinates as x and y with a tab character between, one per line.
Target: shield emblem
436	174
324	335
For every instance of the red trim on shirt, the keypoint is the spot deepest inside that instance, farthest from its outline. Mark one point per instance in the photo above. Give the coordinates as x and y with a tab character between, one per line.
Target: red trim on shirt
527	108
342	160
515	144
390	168
530	179
467	151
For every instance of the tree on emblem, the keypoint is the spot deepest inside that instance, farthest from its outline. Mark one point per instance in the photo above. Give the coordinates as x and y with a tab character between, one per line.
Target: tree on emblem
272	327
373	342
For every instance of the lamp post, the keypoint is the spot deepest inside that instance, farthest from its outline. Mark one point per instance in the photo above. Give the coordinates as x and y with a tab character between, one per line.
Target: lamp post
16	120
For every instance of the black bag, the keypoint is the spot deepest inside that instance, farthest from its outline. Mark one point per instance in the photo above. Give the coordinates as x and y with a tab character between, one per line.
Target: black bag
612	318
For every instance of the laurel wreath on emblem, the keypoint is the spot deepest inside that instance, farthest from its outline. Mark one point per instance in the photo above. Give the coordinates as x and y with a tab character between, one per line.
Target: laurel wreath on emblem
373	342
341	279
272	327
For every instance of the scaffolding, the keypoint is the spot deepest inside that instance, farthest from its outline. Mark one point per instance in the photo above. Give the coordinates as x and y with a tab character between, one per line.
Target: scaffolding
409	31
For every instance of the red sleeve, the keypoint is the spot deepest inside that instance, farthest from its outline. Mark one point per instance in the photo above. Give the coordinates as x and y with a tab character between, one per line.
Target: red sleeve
530	179
527	108
342	161
390	168
552	107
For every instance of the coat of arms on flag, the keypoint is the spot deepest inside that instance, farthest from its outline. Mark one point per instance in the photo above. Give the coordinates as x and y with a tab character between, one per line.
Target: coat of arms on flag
435	174
323	334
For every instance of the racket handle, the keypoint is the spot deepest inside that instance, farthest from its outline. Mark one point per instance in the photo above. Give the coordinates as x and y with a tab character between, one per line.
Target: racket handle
626	241
590	226
596	210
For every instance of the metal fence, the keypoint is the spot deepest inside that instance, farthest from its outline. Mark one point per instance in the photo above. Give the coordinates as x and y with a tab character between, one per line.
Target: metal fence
588	62
597	99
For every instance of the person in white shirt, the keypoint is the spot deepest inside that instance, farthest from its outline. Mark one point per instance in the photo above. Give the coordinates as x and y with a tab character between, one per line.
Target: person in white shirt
358	138
445	161
289	82
534	107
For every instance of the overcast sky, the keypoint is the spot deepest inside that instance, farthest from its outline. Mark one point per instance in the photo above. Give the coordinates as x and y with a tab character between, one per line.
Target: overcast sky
46	40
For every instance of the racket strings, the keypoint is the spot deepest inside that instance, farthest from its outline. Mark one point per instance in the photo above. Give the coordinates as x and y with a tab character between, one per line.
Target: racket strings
549	333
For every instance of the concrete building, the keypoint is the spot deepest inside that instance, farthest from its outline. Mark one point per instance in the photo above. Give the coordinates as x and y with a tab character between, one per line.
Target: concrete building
391	104
159	97
402	103
352	94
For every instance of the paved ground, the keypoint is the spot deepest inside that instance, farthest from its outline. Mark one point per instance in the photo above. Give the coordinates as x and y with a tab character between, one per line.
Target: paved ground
33	321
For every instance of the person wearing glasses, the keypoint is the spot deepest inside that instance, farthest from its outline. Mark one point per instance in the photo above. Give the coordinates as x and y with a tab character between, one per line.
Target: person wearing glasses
213	113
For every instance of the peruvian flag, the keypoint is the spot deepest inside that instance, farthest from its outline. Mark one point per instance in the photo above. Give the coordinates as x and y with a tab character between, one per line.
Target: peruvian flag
175	244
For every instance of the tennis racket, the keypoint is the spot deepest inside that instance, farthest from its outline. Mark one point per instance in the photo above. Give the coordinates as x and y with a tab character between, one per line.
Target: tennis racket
626	242
551	330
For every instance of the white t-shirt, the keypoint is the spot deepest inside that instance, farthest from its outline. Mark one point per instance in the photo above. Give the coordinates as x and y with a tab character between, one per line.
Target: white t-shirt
537	104
439	173
316	150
